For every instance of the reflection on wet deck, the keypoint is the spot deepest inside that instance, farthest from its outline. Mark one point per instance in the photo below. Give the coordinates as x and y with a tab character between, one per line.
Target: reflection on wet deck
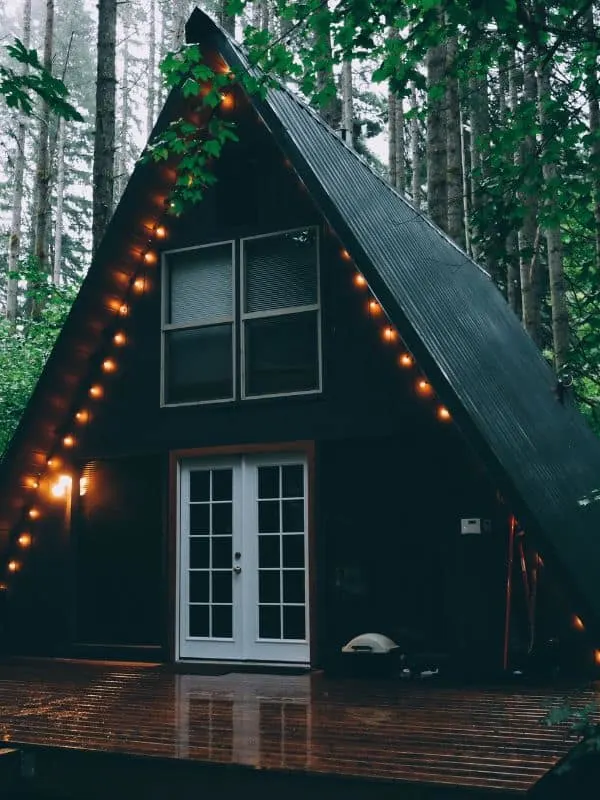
484	738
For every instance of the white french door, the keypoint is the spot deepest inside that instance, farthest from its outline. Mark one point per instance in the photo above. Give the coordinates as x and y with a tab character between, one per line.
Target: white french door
243	559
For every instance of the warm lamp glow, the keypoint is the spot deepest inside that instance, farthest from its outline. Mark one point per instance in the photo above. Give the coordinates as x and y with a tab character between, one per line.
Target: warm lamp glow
34	513
69	440
424	388
96	391
150	257
374	307
123	310
82	416
31	482
443	414
24	540
139	285
84	484
227	101
389	334
360	280
405	360
62	485
13	566
109	365
119	339
53	462
597	656
578	623
160	232
3	587
345	255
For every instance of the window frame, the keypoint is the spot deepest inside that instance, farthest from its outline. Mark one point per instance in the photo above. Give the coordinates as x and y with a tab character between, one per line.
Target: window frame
244	316
166	327
237	320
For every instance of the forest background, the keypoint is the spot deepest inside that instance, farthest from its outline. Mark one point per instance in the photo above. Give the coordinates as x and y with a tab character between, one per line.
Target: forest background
485	114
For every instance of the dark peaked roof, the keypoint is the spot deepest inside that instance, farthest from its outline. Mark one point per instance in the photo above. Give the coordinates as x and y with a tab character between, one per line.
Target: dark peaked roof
499	388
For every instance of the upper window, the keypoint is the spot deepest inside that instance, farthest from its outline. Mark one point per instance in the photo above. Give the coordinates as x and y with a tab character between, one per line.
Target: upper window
277	306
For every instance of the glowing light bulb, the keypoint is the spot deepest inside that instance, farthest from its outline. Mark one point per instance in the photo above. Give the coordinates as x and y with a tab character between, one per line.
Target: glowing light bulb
389	334
139	285
82	416
123	310
578	623
405	360
32	483
150	257
24	540
160	232
69	440
13	566
109	365
374	308
345	255
360	280
424	388
34	513
53	462
62	485
3	588
597	656
443	414
96	391
227	101
119	339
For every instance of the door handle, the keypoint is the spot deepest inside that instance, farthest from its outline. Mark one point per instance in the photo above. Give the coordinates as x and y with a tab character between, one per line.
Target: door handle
237	569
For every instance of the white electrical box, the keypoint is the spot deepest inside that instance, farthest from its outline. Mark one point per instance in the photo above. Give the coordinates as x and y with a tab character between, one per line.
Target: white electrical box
474	525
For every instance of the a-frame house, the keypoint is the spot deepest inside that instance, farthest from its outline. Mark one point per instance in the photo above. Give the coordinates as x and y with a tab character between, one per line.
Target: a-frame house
293	415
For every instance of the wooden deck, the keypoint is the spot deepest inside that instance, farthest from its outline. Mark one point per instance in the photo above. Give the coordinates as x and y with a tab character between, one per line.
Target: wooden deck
486	739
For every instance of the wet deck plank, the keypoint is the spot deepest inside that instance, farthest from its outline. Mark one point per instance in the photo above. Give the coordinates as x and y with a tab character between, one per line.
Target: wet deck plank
487	738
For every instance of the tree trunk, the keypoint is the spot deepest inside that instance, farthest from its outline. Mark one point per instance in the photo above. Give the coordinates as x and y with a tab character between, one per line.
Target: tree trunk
479	116
12	285
529	261
513	277
558	295
60	193
264	15
465	163
122	162
104	139
41	212
437	157
329	107
594	123
151	74
415	151
347	109
226	20
456	227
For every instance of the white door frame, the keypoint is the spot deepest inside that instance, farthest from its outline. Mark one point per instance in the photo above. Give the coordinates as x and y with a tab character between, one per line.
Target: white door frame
245	644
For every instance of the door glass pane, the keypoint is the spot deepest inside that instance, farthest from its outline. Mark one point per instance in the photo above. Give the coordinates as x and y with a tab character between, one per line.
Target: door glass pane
292	516
199	552
293	586
221	518
221	587
221	552
199	587
294	622
293	550
222	484
269	622
199	520
200	485
199	621
268	586
222	622
268	482
268	551
292	479
268	516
